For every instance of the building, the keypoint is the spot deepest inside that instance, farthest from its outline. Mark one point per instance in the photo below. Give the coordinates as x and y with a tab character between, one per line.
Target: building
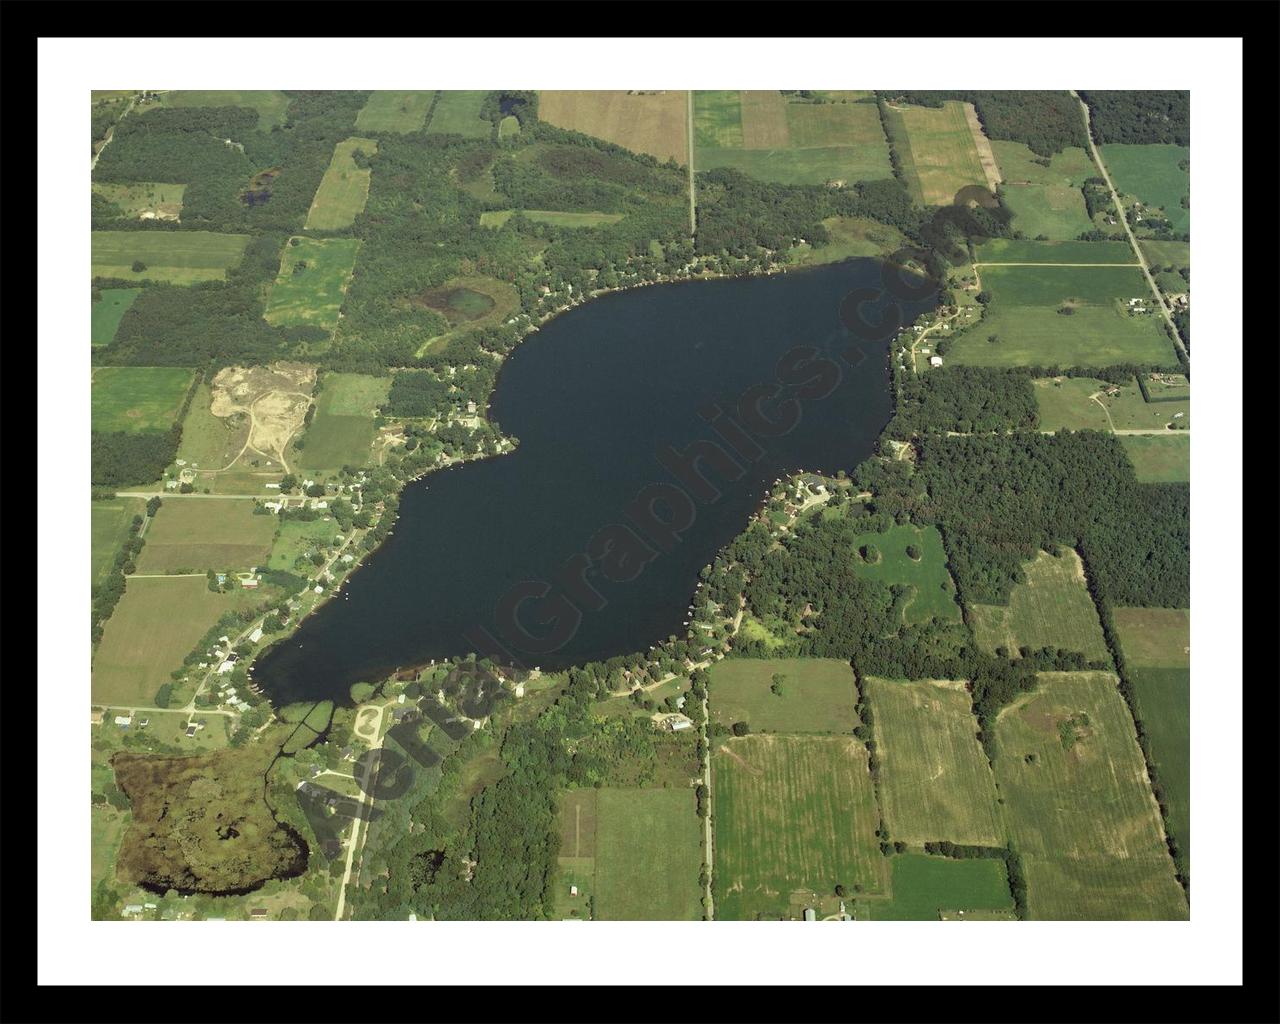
935	360
124	721
256	635
96	717
809	914
258	912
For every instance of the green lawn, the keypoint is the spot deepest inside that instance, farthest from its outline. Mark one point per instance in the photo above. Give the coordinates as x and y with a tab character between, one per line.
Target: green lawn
1151	174
138	398
1159	460
108	529
1079	805
792	813
1157	643
818	694
935	593
312	283
106	313
935	782
1051	609
1082	403
925	888
1026	316
395	111
271	104
509	126
648	853
343	190
458	112
179	257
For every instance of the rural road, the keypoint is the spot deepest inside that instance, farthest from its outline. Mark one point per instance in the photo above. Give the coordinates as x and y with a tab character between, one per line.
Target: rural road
366	802
693	214
175	494
111	134
1124	222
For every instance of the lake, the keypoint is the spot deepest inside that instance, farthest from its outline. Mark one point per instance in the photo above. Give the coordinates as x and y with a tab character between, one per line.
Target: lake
586	542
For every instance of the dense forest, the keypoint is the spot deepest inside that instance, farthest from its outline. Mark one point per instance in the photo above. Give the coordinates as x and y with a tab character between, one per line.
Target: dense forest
1046	122
966	399
1140	116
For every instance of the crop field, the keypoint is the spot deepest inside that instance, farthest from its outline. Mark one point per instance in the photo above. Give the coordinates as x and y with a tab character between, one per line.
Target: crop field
792	813
935	593
1166	254
556	218
162	200
767	137
935	782
818	694
1055	211
106	313
194	536
108	529
1079	805
1013	250
937	152
458	113
1082	403
850	236
179	257
655	123
648	853
1159	460
343	190
1157	648
270	104
1151	174
134	656
1051	609
929	888
342	432
396	111
1028	318
136	398
313	280
1020	166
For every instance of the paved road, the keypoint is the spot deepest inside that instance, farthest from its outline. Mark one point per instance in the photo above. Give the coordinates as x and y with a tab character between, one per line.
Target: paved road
693	213
195	494
1124	222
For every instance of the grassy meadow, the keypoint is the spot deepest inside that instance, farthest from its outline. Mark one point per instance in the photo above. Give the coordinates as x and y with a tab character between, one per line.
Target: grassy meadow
137	398
935	592
313	280
196	536
818	694
343	190
178	257
395	111
107	312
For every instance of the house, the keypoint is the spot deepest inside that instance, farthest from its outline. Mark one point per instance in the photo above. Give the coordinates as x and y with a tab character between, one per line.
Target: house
191	730
809	914
143	723
935	360
573	890
96	717
679	724
250	584
226	666
319	589
258	912
124	721
256	635
273	487
131	910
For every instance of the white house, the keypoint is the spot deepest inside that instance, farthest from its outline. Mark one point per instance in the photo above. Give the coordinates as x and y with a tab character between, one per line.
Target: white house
256	635
935	360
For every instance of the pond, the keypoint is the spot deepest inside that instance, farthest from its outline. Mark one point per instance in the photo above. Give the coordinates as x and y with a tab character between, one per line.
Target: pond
651	424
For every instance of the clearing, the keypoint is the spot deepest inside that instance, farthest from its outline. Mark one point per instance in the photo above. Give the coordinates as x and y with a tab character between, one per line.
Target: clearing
106	312
138	398
146	200
927	575
818	694
395	111
179	257
343	190
312	283
457	112
929	888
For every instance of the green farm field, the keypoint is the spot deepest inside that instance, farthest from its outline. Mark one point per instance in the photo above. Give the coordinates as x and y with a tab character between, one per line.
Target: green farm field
1055	211
458	113
936	149
135	656
935	593
1016	250
556	218
138	398
1024	317
343	190
1082	403
106	313
929	888
1158	459
1020	166
270	104
1166	254
342	432
196	536
1079	805
395	111
1157	649
818	694
792	813
935	782
312	283
163	200
648	854
179	257
1051	609
1151	174
108	529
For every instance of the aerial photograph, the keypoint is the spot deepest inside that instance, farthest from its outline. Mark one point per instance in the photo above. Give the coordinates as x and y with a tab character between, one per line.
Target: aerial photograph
640	505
